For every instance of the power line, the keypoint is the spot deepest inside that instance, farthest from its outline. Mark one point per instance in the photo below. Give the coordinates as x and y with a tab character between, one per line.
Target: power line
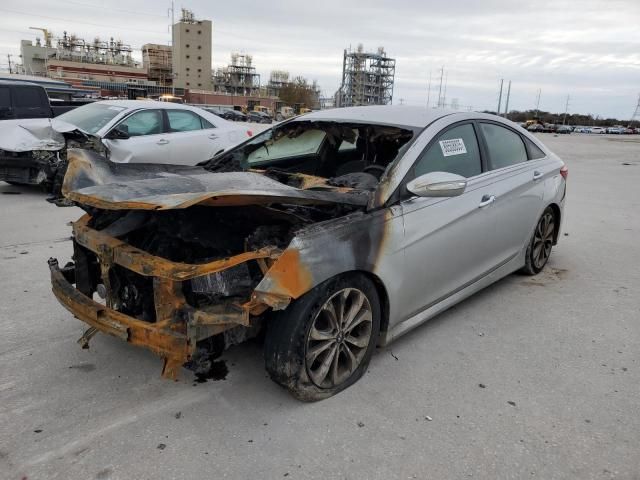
71	2
67	20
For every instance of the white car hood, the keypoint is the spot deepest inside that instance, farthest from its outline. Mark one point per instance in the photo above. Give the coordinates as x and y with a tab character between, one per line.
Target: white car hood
33	134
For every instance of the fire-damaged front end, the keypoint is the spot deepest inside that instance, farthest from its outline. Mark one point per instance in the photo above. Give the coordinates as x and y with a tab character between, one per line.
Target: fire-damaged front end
183	261
186	261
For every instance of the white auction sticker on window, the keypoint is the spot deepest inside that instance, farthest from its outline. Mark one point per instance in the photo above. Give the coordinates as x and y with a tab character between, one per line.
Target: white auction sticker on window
454	146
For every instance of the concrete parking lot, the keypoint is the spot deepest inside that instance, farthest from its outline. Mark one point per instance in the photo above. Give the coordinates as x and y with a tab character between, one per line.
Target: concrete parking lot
535	377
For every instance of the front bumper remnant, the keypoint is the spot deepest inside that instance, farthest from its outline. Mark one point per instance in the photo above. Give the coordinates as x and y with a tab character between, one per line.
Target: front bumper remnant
178	326
173	346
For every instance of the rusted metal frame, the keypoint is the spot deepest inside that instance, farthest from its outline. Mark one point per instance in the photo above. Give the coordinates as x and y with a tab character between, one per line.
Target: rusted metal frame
173	346
145	264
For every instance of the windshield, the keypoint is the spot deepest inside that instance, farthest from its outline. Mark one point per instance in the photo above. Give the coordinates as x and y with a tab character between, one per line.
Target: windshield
325	149
92	117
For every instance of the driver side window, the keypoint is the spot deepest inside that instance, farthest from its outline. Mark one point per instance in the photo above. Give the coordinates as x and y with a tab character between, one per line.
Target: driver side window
145	122
454	151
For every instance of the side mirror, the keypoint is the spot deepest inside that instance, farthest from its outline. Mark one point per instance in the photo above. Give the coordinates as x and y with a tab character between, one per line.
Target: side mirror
438	184
121	132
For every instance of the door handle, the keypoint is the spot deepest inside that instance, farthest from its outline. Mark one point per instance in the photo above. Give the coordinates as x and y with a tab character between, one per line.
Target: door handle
486	201
213	136
162	141
537	176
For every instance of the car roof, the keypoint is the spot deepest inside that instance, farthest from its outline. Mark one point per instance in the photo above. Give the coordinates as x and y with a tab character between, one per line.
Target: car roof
144	104
19	82
382	114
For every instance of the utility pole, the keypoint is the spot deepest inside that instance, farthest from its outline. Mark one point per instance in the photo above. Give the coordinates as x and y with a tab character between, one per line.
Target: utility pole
444	95
9	60
506	105
440	88
500	96
636	113
538	102
429	90
566	109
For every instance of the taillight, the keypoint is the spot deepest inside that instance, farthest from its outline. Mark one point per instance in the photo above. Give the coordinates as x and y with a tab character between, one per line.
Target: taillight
249	133
564	171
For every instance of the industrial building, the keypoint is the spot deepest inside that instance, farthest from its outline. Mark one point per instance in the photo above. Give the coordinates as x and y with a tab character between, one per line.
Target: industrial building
157	63
192	52
367	78
237	78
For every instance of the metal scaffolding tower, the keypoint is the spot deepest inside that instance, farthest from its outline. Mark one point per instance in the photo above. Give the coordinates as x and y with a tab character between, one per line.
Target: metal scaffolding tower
237	78
367	78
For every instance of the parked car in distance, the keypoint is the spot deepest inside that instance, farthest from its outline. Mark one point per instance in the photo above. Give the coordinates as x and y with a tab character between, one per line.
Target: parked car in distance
259	117
234	115
336	231
615	130
564	129
535	127
136	131
581	129
598	130
20	99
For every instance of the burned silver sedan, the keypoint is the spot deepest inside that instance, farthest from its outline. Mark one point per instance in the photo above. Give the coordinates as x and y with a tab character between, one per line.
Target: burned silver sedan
333	232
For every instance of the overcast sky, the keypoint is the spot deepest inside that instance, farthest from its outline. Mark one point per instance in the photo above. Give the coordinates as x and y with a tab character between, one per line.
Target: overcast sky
587	49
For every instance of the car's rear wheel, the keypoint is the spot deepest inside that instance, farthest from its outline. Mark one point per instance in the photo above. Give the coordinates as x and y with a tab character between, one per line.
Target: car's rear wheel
322	343
539	249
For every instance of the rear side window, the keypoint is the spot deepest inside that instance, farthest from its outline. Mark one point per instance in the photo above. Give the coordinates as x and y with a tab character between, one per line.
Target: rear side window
534	151
505	147
183	121
5	97
455	151
28	98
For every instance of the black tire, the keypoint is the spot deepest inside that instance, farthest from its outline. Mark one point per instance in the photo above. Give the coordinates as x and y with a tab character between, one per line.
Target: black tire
541	243
288	339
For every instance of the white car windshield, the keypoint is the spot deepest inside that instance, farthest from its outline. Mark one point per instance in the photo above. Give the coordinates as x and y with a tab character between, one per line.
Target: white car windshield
92	117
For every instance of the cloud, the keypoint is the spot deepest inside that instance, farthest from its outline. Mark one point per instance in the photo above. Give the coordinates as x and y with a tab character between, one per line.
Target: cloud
586	49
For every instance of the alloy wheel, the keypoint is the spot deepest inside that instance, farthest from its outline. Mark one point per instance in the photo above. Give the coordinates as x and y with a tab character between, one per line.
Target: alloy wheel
338	338
543	240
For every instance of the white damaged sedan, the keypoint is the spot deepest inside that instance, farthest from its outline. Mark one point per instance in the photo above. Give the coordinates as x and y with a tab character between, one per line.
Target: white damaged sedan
33	151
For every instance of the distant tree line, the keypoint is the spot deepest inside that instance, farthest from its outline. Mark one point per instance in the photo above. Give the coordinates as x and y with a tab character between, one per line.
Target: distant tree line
572	118
299	91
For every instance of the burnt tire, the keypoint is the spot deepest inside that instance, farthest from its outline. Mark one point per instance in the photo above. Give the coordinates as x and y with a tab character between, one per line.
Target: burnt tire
301	340
541	243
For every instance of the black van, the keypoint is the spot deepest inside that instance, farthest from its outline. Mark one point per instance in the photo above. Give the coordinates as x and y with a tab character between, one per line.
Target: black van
23	100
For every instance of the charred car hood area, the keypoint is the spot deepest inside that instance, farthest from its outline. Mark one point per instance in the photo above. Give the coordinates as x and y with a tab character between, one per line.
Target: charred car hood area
187	260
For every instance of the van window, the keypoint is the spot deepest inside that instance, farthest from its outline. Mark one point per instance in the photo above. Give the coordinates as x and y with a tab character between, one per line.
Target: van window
28	97
5	97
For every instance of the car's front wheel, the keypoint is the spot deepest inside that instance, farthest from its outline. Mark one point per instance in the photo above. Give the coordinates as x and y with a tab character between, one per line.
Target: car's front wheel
323	341
539	249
